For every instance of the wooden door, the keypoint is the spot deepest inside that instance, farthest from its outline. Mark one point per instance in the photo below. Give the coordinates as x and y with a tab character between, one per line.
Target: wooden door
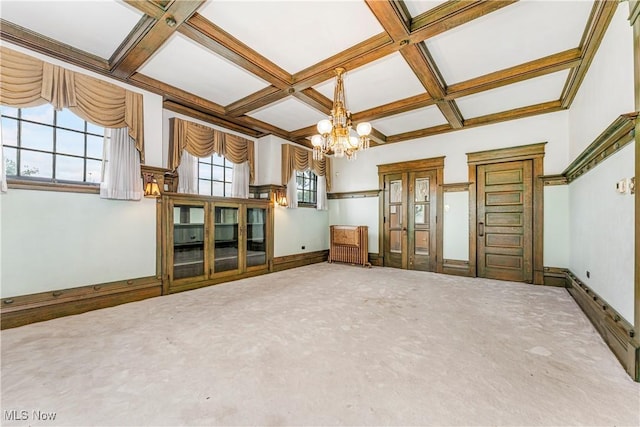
410	220
422	221
395	221
504	229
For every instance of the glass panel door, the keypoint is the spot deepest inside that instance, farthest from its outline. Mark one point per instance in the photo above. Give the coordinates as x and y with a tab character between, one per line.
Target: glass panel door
225	238
188	241
421	204
256	236
395	221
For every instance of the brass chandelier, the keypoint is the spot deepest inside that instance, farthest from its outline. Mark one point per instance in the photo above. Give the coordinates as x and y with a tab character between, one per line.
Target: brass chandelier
335	132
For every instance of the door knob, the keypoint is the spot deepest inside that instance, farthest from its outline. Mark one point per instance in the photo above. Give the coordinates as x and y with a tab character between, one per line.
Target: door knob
481	229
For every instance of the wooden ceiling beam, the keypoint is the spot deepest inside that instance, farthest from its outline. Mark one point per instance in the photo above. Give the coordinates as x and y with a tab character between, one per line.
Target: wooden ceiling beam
209	118
377	137
256	100
134	37
392	17
536	68
367	51
154	37
315	99
421	133
149	8
517	113
450	15
396	107
599	20
168	91
265	127
224	44
424	67
33	41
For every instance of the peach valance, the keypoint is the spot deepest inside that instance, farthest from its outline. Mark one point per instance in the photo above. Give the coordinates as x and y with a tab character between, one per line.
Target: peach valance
203	141
300	159
28	82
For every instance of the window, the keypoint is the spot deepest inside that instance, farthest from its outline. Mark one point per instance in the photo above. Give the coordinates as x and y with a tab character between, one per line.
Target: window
214	176
307	187
45	144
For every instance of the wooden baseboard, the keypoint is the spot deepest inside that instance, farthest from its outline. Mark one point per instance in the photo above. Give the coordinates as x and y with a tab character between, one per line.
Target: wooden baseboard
191	285
376	259
456	267
614	329
25	309
299	260
555	276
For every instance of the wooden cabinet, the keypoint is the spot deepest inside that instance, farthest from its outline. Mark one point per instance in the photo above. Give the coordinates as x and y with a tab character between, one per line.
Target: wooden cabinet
208	240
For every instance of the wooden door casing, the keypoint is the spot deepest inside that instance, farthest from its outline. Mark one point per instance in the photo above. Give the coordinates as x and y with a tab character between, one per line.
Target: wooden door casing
505	226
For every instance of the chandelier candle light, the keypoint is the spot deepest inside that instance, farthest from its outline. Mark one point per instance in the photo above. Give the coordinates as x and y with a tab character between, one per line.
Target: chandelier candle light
335	132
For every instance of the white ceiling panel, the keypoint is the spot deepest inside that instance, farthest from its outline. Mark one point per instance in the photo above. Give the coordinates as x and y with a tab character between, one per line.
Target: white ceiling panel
380	82
529	92
412	120
96	27
205	73
418	7
311	30
518	33
289	114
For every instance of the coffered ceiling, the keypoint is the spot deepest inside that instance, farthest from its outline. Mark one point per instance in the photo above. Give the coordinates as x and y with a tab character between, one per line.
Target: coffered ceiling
414	68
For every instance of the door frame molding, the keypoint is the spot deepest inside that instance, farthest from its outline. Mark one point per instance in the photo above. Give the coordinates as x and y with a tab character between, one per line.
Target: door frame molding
434	163
534	152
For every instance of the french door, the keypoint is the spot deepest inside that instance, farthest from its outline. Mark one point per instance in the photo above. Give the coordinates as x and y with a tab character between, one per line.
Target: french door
410	220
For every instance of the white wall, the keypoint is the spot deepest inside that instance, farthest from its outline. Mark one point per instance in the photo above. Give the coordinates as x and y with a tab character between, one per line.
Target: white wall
602	231
556	226
607	90
293	228
54	240
357	212
57	240
602	221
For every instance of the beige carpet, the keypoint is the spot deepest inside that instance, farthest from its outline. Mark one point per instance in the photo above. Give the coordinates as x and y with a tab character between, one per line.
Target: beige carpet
323	345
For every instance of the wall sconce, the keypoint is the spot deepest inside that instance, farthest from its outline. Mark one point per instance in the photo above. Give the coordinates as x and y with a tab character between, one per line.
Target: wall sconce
281	198
151	188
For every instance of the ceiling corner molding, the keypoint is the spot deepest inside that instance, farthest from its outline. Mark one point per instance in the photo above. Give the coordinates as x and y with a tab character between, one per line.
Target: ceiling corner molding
617	135
599	20
38	43
634	11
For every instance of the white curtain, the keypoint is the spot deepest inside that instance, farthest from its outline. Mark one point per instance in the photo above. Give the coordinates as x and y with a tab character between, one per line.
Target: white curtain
3	169
292	192
322	203
188	174
121	176
240	180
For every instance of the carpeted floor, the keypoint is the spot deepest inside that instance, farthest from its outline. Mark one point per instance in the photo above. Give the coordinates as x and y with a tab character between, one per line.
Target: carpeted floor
323	345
